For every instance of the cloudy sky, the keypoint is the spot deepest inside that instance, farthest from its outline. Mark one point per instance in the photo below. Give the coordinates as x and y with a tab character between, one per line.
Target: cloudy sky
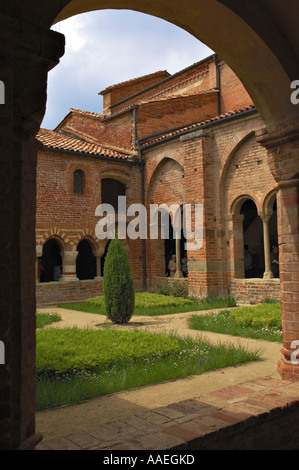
108	47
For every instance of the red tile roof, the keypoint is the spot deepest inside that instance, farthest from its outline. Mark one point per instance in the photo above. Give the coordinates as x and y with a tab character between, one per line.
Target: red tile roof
162	73
56	140
148	141
86	113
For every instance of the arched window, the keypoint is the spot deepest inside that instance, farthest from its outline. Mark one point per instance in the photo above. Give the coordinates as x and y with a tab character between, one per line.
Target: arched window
78	182
110	190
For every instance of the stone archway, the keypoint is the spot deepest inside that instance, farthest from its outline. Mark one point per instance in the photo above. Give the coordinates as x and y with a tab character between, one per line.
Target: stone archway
259	41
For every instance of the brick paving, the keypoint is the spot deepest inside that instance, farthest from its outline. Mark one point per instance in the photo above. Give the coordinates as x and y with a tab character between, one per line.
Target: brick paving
260	413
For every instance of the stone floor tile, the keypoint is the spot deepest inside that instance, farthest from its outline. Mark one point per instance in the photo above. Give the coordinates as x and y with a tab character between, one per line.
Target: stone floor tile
154	441
83	439
62	443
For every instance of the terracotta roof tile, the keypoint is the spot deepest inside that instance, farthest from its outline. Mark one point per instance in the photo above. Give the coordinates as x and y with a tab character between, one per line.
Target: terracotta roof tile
56	140
163	73
86	113
179	95
146	142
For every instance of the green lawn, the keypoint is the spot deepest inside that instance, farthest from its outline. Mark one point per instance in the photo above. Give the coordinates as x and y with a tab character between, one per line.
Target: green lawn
75	365
155	304
262	321
43	319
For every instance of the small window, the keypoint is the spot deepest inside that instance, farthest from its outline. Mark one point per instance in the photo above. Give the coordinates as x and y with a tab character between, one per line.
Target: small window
78	182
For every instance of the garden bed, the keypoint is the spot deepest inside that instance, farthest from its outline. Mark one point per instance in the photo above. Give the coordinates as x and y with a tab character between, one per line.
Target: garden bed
74	365
262	321
147	304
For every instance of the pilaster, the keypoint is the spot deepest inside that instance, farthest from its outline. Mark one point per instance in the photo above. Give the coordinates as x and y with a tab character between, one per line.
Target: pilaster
283	154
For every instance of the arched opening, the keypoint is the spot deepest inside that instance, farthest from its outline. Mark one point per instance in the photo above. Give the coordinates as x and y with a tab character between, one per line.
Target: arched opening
51	261
254	263
273	232
86	266
111	189
233	32
273	236
170	249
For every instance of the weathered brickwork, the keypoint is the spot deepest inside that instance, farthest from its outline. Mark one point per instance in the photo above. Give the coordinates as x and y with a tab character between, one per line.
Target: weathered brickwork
214	162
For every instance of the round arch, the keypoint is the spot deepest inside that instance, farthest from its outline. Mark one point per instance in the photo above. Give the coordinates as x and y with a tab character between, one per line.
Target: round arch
236	32
238	203
269	202
155	173
51	259
86	265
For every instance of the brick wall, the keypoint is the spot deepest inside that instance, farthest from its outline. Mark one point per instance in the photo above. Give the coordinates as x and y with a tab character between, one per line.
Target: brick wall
116	93
233	94
254	290
64	292
158	116
116	133
193	79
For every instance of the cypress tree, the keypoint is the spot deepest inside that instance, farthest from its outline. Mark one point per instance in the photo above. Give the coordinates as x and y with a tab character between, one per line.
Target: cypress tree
118	284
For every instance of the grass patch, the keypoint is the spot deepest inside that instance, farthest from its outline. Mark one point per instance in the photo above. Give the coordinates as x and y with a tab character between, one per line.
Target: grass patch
43	319
75	365
262	321
147	304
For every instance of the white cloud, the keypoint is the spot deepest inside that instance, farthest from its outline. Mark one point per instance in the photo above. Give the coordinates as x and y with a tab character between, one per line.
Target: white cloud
110	46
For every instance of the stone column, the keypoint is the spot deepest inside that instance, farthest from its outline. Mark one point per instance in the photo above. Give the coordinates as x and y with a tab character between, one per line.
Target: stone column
98	253
178	273
267	253
69	266
283	156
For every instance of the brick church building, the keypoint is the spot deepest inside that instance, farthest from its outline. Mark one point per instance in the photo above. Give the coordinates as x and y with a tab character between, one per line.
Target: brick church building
187	138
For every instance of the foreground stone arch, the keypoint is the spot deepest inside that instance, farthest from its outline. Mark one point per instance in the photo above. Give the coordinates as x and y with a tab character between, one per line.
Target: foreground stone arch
259	41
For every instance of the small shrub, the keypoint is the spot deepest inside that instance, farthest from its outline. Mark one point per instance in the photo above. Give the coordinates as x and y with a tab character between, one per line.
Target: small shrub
262	315
118	284
172	288
270	300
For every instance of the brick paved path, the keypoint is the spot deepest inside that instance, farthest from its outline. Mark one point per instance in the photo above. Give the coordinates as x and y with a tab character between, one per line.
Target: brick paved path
257	414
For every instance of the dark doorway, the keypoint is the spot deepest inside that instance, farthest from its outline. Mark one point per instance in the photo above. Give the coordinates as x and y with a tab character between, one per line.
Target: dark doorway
86	266
51	261
169	244
253	241
104	257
